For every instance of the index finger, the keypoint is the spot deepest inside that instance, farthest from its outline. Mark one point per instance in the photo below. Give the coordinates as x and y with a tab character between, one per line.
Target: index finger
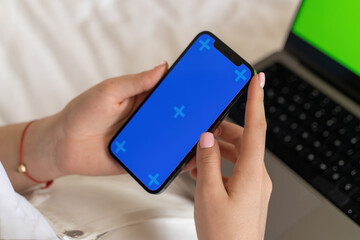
251	157
231	132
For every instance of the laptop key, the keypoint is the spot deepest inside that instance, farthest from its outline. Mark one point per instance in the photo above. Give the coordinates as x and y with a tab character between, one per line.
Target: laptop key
270	93
355	140
327	188
314	93
343	131
337	143
347	186
354	173
352	210
323	166
339	198
322	185
336	110
302	86
356	196
308	106
324	102
285	90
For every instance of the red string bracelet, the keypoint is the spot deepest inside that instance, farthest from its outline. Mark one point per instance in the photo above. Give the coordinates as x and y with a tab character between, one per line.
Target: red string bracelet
22	167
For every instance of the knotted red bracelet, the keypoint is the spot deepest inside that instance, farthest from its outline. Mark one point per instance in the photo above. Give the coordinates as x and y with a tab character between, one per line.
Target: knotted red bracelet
22	167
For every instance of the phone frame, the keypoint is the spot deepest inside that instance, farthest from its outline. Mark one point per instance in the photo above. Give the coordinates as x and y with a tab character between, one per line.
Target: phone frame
233	57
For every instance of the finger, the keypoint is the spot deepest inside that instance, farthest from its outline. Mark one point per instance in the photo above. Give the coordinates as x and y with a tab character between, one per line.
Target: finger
134	84
228	151
140	98
208	161
224	179
231	132
217	131
193	173
251	158
190	165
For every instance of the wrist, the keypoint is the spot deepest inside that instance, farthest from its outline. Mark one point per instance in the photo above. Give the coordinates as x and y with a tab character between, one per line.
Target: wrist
39	150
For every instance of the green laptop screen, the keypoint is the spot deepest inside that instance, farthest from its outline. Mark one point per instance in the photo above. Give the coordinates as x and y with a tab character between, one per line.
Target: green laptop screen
333	27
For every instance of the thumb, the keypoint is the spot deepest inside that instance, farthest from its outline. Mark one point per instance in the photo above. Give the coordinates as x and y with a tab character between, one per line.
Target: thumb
134	84
208	160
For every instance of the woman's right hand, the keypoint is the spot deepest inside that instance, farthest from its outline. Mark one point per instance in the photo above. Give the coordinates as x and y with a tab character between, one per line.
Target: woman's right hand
235	207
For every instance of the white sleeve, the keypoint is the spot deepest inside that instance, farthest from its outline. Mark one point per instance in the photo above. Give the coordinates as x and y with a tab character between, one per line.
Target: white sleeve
18	218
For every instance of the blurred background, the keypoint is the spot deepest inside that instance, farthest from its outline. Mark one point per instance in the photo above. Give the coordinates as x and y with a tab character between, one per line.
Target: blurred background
50	51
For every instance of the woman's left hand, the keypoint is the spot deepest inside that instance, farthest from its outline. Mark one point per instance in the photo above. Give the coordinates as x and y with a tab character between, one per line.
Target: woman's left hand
75	140
87	124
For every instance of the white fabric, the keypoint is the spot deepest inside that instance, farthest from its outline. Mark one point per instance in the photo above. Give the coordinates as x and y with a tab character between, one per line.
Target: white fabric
97	208
116	206
18	218
50	51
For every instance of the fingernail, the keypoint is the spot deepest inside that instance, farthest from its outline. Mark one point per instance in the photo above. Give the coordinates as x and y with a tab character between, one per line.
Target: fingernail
262	79
206	140
161	64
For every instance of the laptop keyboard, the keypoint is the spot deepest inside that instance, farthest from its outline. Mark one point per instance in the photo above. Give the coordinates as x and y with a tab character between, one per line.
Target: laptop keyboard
313	135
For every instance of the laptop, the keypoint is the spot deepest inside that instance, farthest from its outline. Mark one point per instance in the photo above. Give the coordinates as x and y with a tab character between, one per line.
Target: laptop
312	101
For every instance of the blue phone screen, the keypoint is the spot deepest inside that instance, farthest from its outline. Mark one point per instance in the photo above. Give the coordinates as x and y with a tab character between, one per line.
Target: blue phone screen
185	104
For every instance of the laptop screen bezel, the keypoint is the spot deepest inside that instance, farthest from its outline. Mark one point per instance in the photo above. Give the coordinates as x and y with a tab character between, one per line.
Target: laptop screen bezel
330	70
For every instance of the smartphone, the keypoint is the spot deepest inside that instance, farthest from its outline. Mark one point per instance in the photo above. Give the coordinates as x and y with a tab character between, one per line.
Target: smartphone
193	97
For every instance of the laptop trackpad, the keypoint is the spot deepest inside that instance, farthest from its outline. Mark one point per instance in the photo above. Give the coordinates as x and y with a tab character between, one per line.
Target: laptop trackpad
291	198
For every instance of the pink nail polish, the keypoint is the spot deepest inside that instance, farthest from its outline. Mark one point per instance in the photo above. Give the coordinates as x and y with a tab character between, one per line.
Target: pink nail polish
262	79
206	140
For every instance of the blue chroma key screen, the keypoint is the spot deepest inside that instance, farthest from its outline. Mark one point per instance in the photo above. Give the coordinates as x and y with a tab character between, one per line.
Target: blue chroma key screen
184	105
